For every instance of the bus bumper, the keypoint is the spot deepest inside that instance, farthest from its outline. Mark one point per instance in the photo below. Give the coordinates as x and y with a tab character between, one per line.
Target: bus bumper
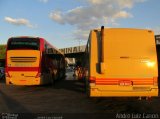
26	81
123	91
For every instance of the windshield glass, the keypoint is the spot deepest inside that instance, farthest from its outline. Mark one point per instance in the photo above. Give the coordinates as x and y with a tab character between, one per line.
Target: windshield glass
23	43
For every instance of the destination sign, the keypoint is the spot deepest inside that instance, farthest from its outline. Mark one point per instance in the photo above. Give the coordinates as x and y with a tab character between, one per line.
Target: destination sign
76	49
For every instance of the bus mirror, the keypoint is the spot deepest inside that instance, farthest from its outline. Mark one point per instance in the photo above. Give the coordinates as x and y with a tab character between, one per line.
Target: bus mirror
102	67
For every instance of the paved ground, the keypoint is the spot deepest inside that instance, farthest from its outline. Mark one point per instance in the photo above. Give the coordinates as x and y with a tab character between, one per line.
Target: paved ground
68	96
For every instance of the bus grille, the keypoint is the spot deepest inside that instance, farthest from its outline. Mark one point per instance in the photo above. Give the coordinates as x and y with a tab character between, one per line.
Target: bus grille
23	59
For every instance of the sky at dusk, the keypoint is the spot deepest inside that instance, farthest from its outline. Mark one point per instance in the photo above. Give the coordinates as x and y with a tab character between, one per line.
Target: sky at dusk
67	23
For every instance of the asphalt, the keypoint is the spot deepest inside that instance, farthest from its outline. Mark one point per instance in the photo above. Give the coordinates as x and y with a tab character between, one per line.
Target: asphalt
68	96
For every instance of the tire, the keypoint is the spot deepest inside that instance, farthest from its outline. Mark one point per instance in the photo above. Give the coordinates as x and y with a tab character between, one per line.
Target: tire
52	80
7	82
87	89
3	78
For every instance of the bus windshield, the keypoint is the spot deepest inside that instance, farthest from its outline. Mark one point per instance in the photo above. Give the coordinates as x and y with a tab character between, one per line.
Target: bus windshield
23	43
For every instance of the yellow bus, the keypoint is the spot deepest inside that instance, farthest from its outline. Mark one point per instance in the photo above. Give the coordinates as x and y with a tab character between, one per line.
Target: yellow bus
28	61
121	62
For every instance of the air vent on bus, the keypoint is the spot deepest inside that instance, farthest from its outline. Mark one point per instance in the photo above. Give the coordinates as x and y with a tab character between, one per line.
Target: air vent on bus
23	59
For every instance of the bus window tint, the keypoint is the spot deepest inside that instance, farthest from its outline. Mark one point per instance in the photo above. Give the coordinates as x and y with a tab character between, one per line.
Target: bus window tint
23	43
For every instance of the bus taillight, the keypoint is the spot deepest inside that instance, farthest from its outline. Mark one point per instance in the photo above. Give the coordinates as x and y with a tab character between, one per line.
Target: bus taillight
155	81
92	80
7	74
38	75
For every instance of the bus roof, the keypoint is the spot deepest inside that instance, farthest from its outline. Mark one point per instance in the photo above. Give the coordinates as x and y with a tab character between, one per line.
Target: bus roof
98	29
24	37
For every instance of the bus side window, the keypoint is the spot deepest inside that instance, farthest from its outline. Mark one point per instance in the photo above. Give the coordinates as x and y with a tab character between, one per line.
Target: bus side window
46	48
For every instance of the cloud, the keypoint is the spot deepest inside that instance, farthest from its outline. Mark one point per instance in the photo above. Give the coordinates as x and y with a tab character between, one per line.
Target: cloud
81	34
157	30
44	1
122	14
19	22
94	14
57	16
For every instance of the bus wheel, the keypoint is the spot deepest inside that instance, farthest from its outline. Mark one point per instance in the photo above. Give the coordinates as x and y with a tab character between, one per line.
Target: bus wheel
87	89
88	92
52	80
7	82
3	78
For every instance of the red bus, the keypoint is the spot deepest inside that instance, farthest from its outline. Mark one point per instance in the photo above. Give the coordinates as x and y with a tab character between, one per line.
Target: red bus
32	61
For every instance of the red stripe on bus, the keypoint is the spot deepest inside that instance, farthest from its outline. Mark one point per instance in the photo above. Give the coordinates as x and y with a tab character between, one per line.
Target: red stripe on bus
116	81
23	68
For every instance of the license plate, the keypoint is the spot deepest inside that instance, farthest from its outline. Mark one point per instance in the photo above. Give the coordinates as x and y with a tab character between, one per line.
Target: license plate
125	83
